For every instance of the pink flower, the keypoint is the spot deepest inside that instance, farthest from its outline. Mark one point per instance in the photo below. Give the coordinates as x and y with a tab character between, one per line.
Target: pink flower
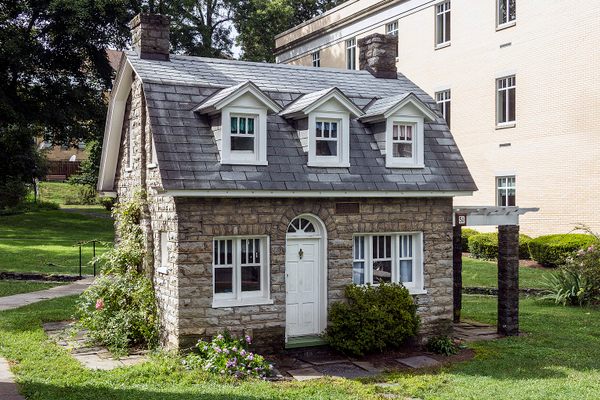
248	339
99	304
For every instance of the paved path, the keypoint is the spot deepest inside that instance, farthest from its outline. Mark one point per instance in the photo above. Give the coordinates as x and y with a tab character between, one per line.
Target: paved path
23	299
8	387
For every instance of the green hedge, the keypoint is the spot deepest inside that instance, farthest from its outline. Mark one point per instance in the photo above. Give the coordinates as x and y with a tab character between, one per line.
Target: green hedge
466	234
552	250
485	245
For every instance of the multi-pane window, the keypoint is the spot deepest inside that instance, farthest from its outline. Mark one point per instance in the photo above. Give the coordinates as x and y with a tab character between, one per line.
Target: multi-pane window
242	133
507	12
442	23
443	100
506	187
388	258
326	133
239	268
316	59
392	29
506	100
402	140
351	53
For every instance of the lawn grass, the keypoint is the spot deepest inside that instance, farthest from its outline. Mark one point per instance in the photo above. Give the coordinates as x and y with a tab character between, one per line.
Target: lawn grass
45	241
557	358
480	273
9	287
56	192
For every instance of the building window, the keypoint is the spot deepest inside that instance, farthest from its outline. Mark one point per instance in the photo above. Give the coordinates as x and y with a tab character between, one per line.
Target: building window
443	100
240	271
506	100
164	251
442	24
351	53
507	191
326	133
388	258
316	59
392	29
507	12
242	133
404	147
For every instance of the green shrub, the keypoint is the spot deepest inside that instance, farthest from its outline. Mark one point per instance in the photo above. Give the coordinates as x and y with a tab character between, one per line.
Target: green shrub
119	311
84	195
466	234
13	192
485	246
107	202
553	250
227	355
442	345
373	319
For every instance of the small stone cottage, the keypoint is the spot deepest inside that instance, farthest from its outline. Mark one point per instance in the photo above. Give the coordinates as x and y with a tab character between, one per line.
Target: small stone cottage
272	187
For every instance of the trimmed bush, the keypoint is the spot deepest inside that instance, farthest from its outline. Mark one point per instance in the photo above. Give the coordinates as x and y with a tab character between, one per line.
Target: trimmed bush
485	246
443	345
553	250
466	234
374	318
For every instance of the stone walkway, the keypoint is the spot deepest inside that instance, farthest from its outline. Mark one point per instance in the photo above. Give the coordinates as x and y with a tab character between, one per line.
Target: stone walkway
23	299
8	388
470	331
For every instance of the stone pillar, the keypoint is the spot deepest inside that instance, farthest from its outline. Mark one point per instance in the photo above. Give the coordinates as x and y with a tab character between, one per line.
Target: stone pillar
457	271
150	36
508	280
377	54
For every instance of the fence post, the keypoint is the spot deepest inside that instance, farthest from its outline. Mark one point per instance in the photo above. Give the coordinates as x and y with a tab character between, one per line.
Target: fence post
80	259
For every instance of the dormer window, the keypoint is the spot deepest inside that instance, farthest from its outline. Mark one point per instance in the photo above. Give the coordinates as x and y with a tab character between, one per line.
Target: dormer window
325	118
239	119
402	141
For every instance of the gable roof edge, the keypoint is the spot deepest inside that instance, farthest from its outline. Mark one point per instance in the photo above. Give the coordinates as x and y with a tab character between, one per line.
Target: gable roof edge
211	106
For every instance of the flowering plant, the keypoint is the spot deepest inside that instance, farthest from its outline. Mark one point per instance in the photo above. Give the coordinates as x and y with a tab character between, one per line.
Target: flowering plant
228	355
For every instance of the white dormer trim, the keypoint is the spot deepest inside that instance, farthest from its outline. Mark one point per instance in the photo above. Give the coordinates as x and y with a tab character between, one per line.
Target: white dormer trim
342	159
294	111
223	98
259	154
418	138
395	108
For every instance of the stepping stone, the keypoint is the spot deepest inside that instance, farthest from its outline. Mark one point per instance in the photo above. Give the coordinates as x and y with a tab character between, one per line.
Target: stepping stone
369	367
305	374
323	361
95	362
345	370
419	362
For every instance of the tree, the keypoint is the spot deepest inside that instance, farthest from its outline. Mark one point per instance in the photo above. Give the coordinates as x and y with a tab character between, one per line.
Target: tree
54	71
259	21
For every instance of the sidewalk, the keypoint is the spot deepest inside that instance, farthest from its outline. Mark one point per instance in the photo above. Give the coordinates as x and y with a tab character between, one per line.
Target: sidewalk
23	299
8	387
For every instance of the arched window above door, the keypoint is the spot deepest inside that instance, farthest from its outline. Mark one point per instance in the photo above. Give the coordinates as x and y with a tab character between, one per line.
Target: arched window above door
301	225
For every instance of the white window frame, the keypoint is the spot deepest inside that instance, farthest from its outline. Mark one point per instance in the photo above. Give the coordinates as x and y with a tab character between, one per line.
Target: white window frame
418	157
343	157
351	53
237	297
509	22
316	59
510	84
443	10
391	28
416	286
444	100
259	155
502	188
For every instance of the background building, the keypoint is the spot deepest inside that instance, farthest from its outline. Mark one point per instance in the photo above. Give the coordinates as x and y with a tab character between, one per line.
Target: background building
518	82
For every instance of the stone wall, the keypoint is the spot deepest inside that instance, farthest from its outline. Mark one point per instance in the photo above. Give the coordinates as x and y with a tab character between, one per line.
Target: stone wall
377	54
202	219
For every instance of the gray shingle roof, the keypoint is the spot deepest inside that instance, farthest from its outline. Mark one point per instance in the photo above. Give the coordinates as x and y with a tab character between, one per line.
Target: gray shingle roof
380	106
188	156
305	101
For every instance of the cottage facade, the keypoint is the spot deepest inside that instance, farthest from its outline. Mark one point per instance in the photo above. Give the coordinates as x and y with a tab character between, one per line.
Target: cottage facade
271	187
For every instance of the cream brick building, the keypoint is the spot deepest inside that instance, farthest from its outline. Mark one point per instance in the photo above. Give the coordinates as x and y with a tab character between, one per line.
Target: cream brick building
550	48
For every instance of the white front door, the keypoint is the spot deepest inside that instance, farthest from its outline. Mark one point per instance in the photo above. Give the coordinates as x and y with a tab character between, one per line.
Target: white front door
302	286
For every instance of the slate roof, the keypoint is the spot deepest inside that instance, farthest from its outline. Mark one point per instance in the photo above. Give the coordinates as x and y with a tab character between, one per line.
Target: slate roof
381	106
188	156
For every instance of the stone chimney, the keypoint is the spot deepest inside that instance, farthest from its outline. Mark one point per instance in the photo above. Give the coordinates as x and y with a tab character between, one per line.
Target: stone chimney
377	54
150	36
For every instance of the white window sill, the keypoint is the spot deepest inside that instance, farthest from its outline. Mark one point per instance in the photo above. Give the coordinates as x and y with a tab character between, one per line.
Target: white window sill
128	169
258	301
323	164
405	166
151	166
442	45
244	162
415	292
506	125
162	270
506	25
